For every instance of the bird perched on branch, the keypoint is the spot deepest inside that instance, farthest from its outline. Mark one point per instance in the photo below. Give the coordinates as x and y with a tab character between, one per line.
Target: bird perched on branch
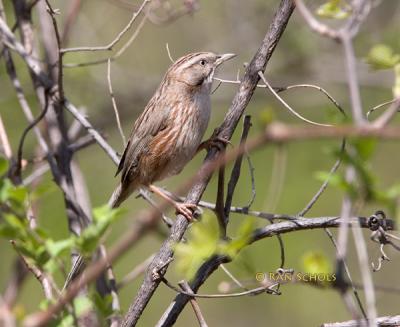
169	131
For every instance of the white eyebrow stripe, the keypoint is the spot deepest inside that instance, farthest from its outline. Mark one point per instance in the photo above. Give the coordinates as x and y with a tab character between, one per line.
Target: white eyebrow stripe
193	60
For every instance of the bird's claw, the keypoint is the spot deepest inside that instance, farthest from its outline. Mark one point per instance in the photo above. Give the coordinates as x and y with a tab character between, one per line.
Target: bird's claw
215	141
186	209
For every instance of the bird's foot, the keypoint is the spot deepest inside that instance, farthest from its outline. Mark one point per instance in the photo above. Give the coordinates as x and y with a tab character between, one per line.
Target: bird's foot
214	141
185	209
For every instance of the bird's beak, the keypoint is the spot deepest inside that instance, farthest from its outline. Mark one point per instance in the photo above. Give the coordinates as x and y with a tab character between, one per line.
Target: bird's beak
224	57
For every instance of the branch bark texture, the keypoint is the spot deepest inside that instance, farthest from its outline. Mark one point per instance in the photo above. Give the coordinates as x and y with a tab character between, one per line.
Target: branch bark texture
239	104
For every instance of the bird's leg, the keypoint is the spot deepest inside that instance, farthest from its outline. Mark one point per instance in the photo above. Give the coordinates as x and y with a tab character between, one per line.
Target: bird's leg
213	141
183	208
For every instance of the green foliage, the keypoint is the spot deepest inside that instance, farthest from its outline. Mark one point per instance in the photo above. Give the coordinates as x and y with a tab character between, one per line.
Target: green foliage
382	56
35	244
233	247
102	304
3	166
335	9
82	305
265	117
338	181
204	241
40	250
365	187
90	237
314	262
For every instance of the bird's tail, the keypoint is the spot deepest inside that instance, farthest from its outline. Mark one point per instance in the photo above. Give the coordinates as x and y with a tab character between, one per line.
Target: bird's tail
120	194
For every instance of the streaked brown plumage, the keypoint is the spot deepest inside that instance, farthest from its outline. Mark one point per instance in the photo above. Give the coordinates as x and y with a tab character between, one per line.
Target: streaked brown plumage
169	131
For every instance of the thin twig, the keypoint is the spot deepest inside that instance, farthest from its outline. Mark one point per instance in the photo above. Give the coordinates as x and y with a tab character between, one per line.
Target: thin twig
196	308
39	275
269	289
60	74
354	88
169	53
235	174
117	38
219	202
286	105
314	24
4	141
117	54
114	103
387	116
379	106
233	278
324	185
135	273
24	134
280	89
381	321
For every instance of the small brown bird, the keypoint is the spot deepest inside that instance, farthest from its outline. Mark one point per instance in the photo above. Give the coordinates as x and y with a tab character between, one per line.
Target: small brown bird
169	131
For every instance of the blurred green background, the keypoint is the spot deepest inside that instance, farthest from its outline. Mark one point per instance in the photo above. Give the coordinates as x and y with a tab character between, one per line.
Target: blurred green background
301	57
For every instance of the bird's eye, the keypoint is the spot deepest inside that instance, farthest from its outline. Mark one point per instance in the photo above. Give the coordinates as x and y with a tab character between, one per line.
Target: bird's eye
202	62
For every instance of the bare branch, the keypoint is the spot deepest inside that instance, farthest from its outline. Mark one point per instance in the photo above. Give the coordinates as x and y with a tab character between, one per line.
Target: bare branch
381	321
355	97
117	54
314	24
379	106
113	42
286	105
114	103
5	143
232	118
135	273
269	289
235	174
387	116
196	308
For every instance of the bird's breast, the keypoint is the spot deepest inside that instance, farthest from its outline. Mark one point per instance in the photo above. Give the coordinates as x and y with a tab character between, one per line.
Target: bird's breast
190	125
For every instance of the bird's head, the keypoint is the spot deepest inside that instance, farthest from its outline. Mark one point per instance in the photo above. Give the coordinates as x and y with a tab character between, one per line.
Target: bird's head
197	69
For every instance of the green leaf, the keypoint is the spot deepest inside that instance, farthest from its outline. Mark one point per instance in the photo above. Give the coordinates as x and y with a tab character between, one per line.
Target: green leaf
335	9
14	222
382	56
365	147
57	248
18	194
102	304
242	239
43	189
3	166
265	117
338	181
102	218
316	263
81	305
6	185
202	242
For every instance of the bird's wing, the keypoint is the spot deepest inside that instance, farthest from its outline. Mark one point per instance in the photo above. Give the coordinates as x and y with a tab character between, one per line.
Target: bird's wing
152	121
